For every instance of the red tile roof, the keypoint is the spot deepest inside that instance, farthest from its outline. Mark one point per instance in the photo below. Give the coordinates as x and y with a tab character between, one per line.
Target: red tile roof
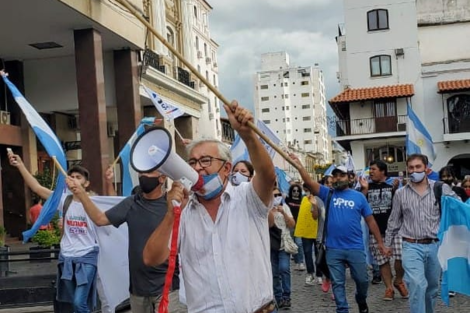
453	85
359	94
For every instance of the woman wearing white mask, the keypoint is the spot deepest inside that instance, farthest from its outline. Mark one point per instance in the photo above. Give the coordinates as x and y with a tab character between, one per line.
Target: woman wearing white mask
280	259
242	172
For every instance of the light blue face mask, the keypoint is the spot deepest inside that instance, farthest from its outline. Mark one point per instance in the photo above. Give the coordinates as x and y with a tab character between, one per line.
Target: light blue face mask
212	186
417	177
239	178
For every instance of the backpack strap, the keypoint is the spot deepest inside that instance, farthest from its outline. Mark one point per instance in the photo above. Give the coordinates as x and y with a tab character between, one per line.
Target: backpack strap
437	189
65	207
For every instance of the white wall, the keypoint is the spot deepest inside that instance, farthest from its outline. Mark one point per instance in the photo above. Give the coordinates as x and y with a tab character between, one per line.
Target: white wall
442	11
444	43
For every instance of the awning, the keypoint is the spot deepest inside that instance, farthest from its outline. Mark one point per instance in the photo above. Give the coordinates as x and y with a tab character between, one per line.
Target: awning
453	85
361	94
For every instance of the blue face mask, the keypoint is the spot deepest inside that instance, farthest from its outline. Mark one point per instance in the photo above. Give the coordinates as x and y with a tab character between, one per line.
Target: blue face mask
239	178
417	177
212	186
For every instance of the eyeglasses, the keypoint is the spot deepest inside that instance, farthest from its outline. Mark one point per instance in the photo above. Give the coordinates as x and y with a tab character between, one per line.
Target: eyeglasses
278	194
204	162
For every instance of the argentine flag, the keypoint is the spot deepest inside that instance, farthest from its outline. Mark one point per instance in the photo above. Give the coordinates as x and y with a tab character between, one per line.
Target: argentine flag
454	251
129	176
239	150
53	147
282	180
329	171
418	139
167	110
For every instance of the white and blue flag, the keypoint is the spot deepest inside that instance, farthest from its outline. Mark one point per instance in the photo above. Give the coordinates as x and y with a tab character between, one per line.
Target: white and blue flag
53	148
129	177
282	180
239	150
350	163
167	110
329	171
454	250
418	139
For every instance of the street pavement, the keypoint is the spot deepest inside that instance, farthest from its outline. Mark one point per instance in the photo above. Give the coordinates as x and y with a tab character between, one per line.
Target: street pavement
311	299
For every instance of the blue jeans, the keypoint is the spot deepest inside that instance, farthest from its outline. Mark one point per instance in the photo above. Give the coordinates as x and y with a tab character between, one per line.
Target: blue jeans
337	260
299	257
308	250
82	292
422	272
280	263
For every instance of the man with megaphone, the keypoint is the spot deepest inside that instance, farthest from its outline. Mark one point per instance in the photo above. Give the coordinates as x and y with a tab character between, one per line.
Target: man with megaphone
223	236
143	212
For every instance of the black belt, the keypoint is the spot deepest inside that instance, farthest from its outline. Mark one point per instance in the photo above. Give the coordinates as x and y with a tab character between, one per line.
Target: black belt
425	241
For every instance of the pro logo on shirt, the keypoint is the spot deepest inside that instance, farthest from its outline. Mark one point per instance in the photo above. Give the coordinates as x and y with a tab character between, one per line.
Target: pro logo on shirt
343	204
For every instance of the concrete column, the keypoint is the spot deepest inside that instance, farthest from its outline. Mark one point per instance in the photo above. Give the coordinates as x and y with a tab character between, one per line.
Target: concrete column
126	81
92	105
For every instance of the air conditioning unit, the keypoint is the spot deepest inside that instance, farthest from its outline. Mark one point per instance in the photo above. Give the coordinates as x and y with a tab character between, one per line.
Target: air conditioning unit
215	64
199	54
208	60
338	75
211	116
111	130
5	117
399	52
401	127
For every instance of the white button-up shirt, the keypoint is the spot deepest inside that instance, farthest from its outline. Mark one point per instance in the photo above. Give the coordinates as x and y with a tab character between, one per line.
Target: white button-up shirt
226	264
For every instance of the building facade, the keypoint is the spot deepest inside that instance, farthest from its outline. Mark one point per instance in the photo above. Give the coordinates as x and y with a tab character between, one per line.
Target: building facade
393	53
291	102
81	64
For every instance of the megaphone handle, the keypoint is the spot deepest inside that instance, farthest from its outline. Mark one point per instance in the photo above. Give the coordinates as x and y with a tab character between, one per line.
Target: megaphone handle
163	306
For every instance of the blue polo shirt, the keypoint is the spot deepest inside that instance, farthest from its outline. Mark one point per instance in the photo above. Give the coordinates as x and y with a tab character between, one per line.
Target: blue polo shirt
344	229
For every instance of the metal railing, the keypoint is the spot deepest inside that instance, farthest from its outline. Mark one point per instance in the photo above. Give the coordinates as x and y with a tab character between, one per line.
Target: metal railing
455	126
372	125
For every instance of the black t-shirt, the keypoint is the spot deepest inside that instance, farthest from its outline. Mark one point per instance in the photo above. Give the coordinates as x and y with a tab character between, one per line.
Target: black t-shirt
142	216
380	197
294	208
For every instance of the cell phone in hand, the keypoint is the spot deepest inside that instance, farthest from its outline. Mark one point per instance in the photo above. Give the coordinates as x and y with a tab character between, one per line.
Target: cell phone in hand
9	151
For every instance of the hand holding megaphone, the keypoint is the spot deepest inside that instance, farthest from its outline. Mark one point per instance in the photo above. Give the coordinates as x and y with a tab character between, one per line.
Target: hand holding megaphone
178	196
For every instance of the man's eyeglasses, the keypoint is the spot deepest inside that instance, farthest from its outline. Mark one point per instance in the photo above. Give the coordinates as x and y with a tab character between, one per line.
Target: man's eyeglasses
204	162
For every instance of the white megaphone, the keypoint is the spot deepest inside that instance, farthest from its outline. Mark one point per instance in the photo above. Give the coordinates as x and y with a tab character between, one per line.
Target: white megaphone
152	151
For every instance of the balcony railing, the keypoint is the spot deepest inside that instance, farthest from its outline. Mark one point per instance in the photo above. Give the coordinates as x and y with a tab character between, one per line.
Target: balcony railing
372	125
152	59
455	126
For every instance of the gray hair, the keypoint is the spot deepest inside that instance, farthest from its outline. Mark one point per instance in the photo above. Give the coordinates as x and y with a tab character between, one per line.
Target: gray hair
224	151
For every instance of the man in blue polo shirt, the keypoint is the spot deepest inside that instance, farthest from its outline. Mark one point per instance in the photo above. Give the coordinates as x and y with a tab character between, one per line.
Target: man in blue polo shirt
344	243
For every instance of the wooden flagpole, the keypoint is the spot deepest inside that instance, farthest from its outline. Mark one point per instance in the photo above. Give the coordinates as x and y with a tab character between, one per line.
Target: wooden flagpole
216	92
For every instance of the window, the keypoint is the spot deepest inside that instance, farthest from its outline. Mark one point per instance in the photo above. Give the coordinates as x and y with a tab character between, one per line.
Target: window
288	119
195	12
377	19
205	49
265	110
287	108
264	87
306	118
305	94
286	84
305	106
199	69
307	142
307	130
207	75
286	96
380	65
197	43
304	83
266	121
264	98
214	79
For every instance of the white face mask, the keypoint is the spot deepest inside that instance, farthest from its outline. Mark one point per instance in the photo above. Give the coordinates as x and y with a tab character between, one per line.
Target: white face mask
277	201
239	178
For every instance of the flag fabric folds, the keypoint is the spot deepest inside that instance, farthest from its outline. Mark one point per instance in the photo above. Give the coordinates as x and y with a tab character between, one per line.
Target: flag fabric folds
350	163
167	110
113	256
129	177
53	147
329	171
282	180
239	150
454	249
418	139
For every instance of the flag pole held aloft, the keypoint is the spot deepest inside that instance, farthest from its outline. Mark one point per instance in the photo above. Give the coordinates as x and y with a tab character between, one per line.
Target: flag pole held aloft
216	92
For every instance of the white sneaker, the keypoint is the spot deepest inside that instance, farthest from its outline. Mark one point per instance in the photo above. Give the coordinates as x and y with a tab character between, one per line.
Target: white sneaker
309	280
319	281
301	267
